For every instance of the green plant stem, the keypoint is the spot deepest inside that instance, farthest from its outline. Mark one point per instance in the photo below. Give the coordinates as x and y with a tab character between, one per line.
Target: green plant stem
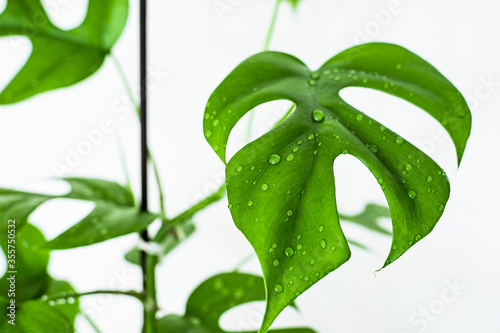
66	295
128	88
123	161
271	25
266	47
285	116
91	322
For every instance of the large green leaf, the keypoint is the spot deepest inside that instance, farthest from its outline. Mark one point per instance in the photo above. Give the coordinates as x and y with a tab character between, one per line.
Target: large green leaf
281	188
212	298
114	213
60	58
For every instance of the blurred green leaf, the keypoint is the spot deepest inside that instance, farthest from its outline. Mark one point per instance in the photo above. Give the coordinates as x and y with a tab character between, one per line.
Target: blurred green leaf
114	213
60	58
32	286
370	218
31	279
283	182
294	3
39	317
212	298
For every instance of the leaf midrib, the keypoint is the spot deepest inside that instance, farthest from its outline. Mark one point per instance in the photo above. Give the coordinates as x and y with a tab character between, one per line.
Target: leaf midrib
54	34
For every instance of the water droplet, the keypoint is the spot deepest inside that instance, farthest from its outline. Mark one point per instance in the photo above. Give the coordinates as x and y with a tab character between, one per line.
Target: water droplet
264	187
408	167
278	288
394	247
299	236
374	148
418	237
399	66
441	208
315	75
318	115
310	137
274	159
215	122
216	147
290	157
208	133
276	262
312	262
274	245
321	228
230	206
380	181
250	203
289	212
218	284
345	151
337	78
306	278
312	82
322	243
299	142
359	117
289	252
399	140
429	179
271	250
299	247
412	194
333	248
239	168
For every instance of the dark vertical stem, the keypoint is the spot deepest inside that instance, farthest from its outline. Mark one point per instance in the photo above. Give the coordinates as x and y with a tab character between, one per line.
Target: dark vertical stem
148	263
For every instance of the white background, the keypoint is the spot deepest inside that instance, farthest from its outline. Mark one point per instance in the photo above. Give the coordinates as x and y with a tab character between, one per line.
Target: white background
194	46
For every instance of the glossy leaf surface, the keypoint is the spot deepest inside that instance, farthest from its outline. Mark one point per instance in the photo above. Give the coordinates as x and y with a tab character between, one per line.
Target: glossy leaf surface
283	182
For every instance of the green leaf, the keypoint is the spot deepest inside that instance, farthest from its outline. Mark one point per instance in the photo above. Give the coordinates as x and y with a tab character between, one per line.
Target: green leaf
69	307
60	58
212	298
171	241
369	218
39	317
294	3
283	183
29	263
32	285
114	213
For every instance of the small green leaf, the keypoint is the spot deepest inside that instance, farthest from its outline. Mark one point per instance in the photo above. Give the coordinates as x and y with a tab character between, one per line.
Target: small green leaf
222	292
114	213
370	218
283	182
171	241
294	3
60	58
29	263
